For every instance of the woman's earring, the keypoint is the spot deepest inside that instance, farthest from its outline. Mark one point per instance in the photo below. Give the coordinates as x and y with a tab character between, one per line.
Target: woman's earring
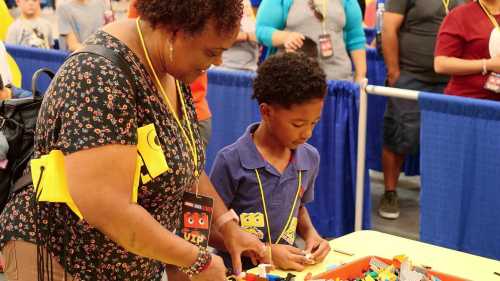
171	56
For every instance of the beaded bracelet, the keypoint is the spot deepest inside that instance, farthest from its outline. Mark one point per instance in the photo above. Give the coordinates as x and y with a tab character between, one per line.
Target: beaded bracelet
202	262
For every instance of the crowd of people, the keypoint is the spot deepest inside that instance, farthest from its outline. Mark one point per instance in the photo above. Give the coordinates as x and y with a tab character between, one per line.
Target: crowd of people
258	185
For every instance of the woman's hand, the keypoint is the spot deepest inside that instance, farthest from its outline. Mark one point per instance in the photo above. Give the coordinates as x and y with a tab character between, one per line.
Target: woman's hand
238	241
360	80
317	246
293	41
493	64
288	257
216	271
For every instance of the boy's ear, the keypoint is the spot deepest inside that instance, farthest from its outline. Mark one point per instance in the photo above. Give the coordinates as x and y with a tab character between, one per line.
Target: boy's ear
264	110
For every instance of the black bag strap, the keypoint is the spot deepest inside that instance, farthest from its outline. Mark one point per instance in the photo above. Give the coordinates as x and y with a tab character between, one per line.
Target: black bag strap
36	76
110	55
24	181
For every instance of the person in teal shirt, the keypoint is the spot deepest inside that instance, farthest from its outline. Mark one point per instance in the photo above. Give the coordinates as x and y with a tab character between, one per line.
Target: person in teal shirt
283	25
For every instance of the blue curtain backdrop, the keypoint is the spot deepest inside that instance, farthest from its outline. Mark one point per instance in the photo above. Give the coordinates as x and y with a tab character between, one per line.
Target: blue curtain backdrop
30	60
461	174
229	97
376	74
336	137
332	212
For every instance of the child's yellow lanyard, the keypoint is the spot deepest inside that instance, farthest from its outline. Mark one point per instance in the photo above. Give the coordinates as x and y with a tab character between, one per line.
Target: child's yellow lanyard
290	216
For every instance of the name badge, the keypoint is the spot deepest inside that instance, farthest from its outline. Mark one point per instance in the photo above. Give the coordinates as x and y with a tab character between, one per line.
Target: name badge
325	46
493	83
196	220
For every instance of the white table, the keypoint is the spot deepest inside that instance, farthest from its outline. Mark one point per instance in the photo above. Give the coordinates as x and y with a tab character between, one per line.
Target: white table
368	242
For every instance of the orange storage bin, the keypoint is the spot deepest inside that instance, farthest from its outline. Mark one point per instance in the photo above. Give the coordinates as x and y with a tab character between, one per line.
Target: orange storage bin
356	268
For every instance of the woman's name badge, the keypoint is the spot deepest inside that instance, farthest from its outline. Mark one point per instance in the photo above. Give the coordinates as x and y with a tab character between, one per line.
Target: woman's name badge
325	46
493	83
196	218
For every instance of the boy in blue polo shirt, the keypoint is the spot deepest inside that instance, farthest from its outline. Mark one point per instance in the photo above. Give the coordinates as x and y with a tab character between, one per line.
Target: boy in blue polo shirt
267	176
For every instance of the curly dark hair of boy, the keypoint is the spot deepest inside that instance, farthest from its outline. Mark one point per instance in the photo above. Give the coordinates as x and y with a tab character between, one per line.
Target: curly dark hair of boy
191	16
289	79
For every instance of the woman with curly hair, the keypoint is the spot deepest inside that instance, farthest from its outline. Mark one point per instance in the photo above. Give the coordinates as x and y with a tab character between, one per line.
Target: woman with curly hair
95	114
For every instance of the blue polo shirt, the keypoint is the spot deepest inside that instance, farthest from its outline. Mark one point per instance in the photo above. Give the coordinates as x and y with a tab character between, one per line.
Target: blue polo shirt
233	175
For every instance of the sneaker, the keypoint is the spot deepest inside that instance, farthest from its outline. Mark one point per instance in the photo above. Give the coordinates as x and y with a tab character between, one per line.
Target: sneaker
389	205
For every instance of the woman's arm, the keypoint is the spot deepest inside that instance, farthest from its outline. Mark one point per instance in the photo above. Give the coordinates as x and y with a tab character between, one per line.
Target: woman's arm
354	37
359	61
100	182
271	20
451	44
456	66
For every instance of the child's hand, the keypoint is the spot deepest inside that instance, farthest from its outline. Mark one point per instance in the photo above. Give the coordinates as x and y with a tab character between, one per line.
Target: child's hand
288	257
493	64
318	247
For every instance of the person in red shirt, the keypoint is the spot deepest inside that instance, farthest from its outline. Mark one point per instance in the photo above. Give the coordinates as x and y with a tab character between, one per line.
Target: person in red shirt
464	51
199	94
132	10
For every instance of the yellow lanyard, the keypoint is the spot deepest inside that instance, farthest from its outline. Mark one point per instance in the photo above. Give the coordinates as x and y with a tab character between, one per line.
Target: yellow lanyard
290	216
190	141
490	16
446	4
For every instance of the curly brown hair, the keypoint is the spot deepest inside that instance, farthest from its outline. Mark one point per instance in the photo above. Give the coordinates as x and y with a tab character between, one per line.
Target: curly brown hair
191	16
289	79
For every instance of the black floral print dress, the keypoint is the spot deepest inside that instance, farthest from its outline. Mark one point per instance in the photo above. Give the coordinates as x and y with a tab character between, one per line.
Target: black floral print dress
91	103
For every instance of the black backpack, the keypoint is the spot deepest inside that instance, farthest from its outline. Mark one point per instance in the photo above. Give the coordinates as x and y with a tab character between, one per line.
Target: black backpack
18	121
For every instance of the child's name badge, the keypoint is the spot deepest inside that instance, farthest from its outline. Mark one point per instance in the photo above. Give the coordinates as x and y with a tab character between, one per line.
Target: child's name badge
325	46
493	83
196	218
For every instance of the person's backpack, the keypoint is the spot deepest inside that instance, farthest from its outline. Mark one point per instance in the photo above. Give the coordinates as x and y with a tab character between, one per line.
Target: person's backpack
18	120
17	123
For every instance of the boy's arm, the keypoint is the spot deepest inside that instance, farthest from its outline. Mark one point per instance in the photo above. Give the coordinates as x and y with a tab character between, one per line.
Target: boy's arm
317	246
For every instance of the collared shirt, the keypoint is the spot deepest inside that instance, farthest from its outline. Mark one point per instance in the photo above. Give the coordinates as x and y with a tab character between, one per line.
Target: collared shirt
233	175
